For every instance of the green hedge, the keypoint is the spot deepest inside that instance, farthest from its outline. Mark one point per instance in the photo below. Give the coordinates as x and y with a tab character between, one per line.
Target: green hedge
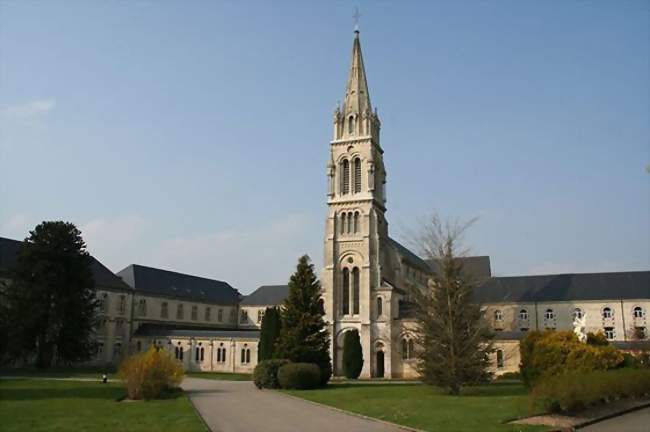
577	390
300	376
265	374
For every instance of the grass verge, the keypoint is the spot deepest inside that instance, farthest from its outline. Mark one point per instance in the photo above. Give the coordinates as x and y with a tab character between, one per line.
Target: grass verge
481	408
41	405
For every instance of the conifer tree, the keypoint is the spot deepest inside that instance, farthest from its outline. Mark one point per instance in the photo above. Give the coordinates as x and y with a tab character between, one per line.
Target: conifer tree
304	337
269	333
454	338
352	354
51	298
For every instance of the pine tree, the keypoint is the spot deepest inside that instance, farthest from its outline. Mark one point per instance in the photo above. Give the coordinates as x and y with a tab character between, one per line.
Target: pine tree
269	333
453	336
51	299
352	354
304	337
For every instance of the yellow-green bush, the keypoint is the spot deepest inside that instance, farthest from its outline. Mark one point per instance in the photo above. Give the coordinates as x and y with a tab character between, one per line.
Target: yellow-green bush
551	353
146	375
576	390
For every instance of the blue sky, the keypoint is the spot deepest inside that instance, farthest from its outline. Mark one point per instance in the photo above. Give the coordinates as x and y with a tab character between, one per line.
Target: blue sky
194	135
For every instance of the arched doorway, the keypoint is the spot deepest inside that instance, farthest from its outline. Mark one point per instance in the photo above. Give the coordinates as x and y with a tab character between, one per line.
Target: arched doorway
380	364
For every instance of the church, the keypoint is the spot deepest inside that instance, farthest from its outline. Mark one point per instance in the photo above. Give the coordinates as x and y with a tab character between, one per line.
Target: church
209	326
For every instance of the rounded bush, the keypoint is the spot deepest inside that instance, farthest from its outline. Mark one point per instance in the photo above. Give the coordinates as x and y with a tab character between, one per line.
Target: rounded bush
149	374
300	376
265	374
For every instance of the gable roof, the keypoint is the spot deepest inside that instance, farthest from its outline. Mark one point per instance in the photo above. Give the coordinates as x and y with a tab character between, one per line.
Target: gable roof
477	266
266	295
565	287
172	284
104	278
410	257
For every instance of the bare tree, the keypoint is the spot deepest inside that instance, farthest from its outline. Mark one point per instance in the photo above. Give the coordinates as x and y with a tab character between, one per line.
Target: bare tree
453	336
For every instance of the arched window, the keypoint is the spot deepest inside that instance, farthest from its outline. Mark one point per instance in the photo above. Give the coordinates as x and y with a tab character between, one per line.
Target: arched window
343	222
499	359
245	354
408	348
549	314
221	353
498	315
355	290
577	313
260	315
380	305
607	312
356	222
350	125
345	177
357	175
349	223
345	292
163	310
179	352
638	312
523	314
405	349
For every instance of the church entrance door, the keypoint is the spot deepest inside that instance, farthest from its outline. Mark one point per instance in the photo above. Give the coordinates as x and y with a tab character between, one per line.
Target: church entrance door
380	364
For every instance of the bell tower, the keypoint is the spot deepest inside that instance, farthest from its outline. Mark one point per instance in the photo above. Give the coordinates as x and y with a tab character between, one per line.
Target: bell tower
355	227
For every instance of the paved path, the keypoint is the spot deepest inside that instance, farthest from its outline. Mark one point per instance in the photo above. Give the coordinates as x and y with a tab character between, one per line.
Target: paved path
237	406
636	421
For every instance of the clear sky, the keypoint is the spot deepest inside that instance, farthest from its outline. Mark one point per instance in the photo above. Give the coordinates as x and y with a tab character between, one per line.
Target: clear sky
194	135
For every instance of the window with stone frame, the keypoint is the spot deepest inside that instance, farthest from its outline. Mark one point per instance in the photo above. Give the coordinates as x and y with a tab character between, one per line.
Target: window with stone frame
345	292
357	175
345	176
498	315
121	308
577	313
233	315
245	354
523	314
142	307
260	315
164	310
356	281
607	312
220	315
243	316
549	314
195	313
610	333
103	303
500	359
180	313
638	312
208	313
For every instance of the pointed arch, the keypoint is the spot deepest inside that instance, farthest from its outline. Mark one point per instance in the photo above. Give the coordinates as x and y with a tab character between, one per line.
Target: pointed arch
345	176
356	222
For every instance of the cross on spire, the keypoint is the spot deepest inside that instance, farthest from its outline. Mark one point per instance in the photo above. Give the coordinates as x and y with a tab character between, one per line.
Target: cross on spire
356	17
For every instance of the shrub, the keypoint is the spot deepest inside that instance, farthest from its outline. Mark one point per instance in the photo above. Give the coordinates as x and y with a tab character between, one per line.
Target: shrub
597	339
352	355
576	390
147	375
265	374
301	376
509	376
550	353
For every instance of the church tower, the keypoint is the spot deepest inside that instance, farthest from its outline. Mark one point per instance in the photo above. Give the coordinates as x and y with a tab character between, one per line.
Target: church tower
356	229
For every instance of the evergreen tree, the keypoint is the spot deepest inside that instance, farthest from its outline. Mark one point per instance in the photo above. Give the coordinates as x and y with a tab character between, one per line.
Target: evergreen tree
453	336
352	354
304	337
51	299
269	333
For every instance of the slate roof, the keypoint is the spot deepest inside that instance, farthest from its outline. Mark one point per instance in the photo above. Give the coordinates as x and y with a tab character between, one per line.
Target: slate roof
477	266
172	284
266	295
410	257
104	278
161	330
566	287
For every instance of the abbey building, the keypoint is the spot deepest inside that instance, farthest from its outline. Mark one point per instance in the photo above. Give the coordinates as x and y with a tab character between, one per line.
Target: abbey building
209	326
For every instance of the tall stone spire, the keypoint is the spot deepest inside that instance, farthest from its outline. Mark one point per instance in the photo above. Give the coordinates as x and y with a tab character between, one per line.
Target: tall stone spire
357	98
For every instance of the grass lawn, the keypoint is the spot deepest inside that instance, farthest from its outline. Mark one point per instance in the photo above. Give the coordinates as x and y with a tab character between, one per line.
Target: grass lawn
481	408
42	405
89	372
223	376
